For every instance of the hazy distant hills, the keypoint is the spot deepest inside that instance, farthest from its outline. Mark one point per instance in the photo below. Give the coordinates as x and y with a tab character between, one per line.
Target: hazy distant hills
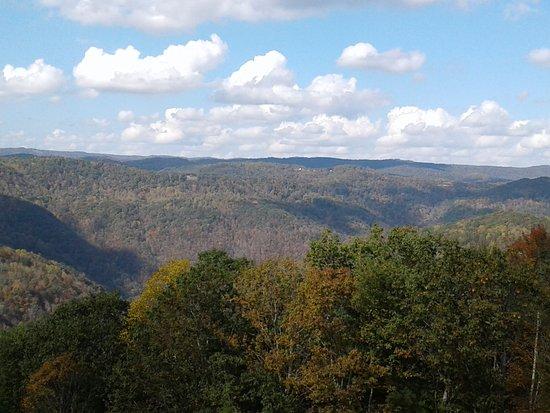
116	222
21	152
389	166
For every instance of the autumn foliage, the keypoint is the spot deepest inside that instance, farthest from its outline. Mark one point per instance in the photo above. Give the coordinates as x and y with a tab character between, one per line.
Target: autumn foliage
400	321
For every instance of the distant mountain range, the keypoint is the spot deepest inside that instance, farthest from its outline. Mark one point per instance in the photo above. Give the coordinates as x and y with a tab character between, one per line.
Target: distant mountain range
390	166
117	219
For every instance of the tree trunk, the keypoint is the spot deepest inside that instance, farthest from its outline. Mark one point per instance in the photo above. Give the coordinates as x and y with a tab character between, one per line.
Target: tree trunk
370	399
534	370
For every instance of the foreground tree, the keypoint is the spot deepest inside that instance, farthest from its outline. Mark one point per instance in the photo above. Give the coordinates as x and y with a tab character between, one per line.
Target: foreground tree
182	351
63	359
529	379
400	321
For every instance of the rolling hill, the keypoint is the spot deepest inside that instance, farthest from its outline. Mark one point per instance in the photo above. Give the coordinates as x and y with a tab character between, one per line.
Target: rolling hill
117	223
499	229
30	286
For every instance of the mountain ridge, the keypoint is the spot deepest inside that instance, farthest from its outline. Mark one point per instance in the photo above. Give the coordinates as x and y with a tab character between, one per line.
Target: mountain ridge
400	167
121	222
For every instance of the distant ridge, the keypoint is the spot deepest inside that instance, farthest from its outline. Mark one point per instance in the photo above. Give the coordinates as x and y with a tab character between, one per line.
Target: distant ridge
4	152
390	166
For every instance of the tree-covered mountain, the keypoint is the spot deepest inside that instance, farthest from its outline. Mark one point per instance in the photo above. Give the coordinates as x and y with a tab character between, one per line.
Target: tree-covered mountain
31	285
25	225
117	223
389	166
535	189
498	229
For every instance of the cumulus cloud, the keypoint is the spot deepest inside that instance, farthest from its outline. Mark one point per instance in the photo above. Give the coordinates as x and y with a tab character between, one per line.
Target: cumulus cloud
38	78
59	139
266	79
540	57
63	140
482	134
365	56
177	15
336	135
249	130
179	67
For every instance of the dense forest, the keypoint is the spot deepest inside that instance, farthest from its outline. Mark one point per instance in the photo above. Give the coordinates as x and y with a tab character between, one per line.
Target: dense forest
116	223
31	286
400	321
499	229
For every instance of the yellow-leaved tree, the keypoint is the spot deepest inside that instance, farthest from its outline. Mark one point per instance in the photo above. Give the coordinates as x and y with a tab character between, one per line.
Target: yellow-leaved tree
164	278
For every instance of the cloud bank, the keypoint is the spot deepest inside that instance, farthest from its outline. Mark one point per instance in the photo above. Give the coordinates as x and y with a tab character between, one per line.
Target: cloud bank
482	134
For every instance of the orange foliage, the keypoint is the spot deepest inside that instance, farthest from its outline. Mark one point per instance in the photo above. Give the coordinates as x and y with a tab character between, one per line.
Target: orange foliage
53	387
532	248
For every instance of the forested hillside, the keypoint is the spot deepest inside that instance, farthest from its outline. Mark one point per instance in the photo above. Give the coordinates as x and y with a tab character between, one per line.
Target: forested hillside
31	286
397	322
499	229
117	223
423	170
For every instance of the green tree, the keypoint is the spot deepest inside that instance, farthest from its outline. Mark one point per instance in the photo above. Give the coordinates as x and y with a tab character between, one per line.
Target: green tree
88	329
183	354
440	318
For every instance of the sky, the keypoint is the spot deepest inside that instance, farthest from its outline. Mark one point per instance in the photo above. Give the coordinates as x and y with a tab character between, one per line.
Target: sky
451	81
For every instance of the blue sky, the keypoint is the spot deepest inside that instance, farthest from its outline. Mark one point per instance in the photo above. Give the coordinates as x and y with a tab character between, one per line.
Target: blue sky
472	86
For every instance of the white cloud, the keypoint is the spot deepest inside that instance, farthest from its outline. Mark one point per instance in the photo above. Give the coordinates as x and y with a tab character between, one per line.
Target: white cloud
38	78
252	131
483	134
250	114
540	57
267	70
537	141
411	125
89	93
488	117
60	139
177	15
179	67
125	116
365	56
266	80
324	135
